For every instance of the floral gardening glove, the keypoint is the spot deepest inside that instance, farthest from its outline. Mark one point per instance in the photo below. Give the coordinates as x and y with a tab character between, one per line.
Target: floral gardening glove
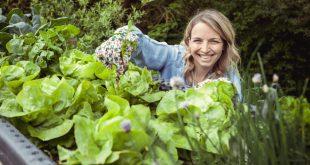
118	49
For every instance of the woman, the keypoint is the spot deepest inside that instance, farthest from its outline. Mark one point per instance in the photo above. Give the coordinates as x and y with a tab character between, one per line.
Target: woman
207	51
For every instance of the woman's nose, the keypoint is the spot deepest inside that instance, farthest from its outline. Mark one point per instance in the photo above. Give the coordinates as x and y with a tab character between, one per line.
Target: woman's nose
205	46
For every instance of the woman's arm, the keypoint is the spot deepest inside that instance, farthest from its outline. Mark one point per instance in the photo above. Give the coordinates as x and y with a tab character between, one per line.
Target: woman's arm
234	76
153	54
149	52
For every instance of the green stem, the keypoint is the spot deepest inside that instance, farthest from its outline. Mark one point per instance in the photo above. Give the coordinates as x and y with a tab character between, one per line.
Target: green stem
262	68
254	53
182	125
304	88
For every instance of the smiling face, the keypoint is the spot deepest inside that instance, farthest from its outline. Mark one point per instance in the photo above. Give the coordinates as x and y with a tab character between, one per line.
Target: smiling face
205	45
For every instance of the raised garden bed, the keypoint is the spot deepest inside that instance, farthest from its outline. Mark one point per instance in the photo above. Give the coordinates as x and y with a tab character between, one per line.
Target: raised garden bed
15	148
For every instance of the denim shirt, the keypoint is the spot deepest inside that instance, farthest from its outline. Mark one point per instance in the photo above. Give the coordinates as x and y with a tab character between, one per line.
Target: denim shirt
168	59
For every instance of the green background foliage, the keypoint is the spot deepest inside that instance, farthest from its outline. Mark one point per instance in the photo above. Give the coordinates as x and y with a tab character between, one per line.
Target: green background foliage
282	25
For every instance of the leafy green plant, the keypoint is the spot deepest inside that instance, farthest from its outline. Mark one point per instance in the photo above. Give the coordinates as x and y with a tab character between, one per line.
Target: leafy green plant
96	20
82	93
16	22
77	109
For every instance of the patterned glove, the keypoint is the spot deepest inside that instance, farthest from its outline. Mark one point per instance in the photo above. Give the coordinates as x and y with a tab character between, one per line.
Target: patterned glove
118	49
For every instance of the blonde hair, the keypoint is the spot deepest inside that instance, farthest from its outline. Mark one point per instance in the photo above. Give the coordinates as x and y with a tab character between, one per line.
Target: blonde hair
219	23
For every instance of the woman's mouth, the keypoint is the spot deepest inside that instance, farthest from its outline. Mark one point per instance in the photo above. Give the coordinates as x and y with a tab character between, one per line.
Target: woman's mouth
205	58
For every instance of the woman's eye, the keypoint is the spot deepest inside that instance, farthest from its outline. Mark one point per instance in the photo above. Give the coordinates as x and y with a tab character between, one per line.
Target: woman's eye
214	42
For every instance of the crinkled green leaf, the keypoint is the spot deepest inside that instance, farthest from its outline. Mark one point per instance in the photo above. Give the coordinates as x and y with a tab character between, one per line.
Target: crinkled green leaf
180	141
59	21
105	151
198	98
46	134
226	88
68	30
2	18
126	157
15	11
50	38
88	150
164	157
31	70
5	93
80	65
105	73
15	46
134	140
113	157
123	104
140	115
135	81
36	49
15	18
20	28
83	128
47	54
64	94
115	106
108	126
164	129
67	156
213	141
168	103
5	37
153	97
10	108
86	111
13	76
42	94
85	92
49	85
35	21
215	115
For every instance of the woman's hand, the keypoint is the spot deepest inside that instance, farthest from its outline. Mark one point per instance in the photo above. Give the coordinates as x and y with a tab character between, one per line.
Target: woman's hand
118	49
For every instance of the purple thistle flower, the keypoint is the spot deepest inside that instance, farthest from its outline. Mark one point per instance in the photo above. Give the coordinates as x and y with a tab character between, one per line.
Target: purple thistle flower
126	125
184	105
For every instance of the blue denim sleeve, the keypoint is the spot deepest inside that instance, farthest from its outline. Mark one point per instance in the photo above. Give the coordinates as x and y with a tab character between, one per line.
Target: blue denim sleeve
234	77
151	53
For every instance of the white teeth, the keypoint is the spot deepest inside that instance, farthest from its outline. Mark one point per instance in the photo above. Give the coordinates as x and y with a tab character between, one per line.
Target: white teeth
206	57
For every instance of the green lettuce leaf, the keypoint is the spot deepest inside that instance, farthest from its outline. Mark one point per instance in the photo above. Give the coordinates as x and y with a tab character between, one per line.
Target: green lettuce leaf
46	134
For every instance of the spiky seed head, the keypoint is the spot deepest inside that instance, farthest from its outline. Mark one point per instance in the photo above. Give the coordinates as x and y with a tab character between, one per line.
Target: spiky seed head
275	78
265	88
176	82
257	78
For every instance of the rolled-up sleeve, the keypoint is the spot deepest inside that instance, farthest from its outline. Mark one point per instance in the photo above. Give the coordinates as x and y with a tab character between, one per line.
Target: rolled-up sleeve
234	77
151	53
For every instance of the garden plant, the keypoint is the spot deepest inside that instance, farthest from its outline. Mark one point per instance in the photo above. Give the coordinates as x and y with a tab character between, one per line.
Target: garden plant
78	110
